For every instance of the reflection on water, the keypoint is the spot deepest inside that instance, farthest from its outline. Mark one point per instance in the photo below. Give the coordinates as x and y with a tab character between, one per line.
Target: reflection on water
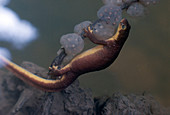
143	64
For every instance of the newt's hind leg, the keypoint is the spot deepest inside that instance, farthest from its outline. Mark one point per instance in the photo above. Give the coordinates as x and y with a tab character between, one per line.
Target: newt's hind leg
58	72
91	36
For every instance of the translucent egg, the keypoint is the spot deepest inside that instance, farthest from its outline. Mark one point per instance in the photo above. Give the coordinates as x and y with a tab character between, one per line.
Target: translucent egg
111	14
115	2
149	2
135	10
79	27
72	43
103	31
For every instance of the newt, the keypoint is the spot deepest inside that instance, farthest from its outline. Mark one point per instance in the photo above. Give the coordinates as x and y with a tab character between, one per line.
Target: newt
95	59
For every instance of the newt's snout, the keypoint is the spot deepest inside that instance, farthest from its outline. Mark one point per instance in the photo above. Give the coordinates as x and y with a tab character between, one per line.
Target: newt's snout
124	20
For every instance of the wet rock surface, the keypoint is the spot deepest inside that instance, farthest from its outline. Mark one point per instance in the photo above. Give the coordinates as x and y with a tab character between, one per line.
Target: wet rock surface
17	98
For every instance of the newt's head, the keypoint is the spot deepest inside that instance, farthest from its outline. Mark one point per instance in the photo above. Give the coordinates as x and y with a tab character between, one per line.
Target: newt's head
122	31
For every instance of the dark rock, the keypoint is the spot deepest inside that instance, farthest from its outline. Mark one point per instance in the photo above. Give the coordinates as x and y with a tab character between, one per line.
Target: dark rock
17	98
26	100
131	104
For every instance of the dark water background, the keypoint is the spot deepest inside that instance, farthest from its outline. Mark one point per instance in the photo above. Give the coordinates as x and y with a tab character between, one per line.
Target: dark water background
142	66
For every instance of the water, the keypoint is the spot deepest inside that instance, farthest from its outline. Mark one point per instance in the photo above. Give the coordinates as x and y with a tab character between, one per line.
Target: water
143	64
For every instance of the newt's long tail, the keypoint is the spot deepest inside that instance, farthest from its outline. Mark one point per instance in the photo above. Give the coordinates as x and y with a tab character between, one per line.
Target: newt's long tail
36	81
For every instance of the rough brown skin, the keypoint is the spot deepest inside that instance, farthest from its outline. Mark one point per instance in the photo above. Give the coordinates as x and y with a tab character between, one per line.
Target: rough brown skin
94	59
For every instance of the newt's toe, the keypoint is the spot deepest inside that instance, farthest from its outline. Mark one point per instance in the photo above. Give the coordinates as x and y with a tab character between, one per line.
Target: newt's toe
90	30
54	67
54	70
50	68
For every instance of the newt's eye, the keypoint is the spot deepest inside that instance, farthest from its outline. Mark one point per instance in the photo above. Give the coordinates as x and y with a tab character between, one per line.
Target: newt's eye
123	26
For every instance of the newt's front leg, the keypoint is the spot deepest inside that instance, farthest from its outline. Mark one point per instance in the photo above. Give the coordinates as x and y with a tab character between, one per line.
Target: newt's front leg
91	36
88	33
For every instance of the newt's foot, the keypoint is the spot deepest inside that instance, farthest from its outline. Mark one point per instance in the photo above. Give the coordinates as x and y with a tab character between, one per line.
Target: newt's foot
91	36
88	32
54	71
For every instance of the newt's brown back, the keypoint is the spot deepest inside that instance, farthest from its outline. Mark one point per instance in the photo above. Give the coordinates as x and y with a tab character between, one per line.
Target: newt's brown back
95	59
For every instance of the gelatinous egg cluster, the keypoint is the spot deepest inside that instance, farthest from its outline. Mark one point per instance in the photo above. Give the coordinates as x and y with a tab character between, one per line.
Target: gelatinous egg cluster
115	2
103	31
79	27
110	13
136	9
120	2
149	2
72	43
109	16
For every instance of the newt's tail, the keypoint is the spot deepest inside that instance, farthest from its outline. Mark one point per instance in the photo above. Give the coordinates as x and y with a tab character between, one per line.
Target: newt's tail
36	81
